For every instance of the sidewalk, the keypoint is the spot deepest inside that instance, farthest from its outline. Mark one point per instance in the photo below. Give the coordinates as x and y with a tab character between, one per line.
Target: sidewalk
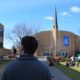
58	75
1	72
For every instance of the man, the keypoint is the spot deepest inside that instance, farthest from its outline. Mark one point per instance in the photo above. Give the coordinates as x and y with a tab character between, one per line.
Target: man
27	67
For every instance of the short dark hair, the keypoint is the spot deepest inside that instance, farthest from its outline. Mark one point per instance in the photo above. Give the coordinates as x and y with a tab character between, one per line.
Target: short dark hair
29	44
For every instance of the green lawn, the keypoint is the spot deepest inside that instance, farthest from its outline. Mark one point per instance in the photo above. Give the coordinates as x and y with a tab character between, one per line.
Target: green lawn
4	62
72	72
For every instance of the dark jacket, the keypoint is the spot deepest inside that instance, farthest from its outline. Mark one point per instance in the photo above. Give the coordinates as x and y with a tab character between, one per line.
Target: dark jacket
27	67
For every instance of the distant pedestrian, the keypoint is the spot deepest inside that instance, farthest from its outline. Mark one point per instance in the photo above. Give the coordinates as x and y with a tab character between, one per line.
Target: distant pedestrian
67	63
51	62
76	62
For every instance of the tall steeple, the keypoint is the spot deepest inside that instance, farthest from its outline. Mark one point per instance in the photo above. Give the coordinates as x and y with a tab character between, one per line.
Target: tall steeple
55	31
55	16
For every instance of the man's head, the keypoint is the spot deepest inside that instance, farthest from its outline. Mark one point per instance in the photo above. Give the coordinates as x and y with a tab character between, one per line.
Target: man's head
29	44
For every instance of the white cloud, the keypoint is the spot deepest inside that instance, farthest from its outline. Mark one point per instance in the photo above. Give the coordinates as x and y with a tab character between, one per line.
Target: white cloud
66	14
75	9
48	18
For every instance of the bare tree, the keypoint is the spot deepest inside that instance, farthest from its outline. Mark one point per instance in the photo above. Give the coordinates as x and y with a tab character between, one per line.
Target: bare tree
19	31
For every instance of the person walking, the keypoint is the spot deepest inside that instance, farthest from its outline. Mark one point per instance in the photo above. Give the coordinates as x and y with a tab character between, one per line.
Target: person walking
27	66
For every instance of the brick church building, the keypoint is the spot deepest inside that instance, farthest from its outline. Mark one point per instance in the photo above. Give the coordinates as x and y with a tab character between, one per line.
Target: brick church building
57	41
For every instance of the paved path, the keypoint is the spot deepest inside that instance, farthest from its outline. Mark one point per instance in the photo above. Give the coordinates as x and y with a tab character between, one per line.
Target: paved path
1	71
58	75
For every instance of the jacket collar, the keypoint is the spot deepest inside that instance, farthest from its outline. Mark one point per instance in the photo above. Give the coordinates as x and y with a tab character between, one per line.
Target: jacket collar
27	57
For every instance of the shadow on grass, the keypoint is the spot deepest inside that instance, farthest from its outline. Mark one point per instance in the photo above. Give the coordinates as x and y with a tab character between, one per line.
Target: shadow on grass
4	62
70	72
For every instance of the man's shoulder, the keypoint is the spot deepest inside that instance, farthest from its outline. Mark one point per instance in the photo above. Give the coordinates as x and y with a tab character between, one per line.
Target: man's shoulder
11	64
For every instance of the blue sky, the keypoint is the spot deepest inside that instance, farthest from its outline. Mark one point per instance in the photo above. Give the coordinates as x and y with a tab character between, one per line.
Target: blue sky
40	12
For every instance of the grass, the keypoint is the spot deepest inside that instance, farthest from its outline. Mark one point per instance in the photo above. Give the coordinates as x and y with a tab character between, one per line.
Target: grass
4	62
72	72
